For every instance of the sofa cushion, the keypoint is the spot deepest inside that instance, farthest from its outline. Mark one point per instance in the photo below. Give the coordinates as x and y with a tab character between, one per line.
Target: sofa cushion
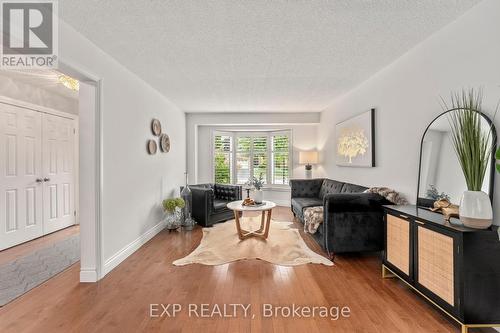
226	192
330	187
220	205
353	188
298	204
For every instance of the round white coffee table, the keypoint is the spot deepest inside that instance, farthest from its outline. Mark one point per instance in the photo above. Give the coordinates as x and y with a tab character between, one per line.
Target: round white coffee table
263	232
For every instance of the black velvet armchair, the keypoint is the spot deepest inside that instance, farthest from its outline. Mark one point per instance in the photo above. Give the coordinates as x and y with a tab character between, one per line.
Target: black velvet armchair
353	220
210	200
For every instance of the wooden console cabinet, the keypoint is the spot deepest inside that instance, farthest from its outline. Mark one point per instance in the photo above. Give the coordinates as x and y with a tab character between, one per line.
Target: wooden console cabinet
454	267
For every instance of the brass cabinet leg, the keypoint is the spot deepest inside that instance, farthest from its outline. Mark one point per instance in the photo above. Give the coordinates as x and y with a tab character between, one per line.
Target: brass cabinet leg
465	329
387	274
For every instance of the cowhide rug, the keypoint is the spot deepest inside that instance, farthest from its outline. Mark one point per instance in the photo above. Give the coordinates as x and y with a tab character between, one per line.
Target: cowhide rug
284	246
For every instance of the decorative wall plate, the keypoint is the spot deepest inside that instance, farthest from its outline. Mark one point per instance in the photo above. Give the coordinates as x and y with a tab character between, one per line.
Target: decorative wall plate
156	127
152	147
165	143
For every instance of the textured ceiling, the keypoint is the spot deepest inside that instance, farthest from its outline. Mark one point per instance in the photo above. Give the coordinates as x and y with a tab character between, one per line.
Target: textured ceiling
247	55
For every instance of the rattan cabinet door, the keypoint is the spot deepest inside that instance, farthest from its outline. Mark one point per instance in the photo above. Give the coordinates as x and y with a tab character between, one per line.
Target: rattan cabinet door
435	263
398	243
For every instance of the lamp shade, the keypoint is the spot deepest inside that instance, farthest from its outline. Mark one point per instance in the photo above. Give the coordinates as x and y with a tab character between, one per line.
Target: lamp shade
308	157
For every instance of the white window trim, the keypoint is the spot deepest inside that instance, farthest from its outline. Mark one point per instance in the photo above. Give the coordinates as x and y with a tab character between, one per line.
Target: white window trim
269	134
212	152
290	155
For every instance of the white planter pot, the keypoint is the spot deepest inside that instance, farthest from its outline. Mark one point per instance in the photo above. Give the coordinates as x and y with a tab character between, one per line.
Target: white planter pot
257	196
475	210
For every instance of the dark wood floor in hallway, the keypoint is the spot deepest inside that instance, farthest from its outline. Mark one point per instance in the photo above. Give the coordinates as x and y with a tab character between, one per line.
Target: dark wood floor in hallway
121	301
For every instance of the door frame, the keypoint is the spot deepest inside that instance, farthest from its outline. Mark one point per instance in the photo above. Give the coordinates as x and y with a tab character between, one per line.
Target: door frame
88	199
91	171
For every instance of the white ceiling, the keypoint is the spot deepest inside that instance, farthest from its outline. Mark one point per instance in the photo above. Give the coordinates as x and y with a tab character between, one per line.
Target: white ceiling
41	78
257	55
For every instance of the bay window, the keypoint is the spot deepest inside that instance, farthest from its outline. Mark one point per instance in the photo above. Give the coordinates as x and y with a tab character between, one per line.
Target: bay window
265	155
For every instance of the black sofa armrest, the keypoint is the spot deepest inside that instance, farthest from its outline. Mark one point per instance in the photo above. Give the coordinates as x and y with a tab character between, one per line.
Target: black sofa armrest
227	192
306	188
203	199
353	202
353	222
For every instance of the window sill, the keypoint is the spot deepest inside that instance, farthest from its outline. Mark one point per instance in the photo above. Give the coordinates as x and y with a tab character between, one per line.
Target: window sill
277	188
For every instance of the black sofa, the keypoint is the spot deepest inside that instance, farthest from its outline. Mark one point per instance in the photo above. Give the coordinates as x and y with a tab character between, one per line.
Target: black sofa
210	200
353	220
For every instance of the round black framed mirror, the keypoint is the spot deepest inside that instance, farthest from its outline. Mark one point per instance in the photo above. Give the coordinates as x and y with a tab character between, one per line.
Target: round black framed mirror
440	175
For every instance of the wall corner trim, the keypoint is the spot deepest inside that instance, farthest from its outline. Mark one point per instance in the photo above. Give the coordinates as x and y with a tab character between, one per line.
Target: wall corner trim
130	248
88	275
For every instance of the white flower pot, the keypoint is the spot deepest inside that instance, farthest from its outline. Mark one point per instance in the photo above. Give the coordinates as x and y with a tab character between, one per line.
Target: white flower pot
475	210
257	196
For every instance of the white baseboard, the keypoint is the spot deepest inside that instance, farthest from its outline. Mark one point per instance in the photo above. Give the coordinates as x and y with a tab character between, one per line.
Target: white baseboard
88	275
126	251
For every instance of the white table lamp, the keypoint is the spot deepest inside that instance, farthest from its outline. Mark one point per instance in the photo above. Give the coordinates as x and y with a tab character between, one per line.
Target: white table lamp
308	158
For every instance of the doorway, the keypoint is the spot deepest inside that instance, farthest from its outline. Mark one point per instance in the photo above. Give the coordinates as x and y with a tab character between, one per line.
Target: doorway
42	197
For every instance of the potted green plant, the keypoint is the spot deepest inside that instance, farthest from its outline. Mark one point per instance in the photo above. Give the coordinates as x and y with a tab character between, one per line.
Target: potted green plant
497	157
173	212
257	184
472	144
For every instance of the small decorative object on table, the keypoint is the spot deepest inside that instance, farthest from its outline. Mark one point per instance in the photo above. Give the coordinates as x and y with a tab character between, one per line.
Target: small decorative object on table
248	202
257	184
448	209
247	188
433	193
173	212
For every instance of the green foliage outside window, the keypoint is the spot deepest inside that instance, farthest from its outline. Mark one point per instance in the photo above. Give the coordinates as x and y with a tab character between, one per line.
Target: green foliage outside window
252	155
222	159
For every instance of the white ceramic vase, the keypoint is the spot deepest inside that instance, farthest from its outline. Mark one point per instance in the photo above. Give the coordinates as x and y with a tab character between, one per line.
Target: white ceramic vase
257	196
475	210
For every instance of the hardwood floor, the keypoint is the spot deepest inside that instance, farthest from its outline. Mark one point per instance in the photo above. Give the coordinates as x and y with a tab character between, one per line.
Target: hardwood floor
24	249
121	301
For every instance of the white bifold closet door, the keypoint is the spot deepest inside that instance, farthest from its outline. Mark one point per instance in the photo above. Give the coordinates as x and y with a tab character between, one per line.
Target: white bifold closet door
36	174
57	165
20	167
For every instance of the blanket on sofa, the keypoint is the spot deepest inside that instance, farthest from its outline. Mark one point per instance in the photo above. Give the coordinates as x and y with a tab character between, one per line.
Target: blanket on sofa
391	195
313	217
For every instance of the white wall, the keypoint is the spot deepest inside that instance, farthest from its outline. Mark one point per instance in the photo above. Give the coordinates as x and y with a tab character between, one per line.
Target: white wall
133	182
12	88
406	93
304	127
